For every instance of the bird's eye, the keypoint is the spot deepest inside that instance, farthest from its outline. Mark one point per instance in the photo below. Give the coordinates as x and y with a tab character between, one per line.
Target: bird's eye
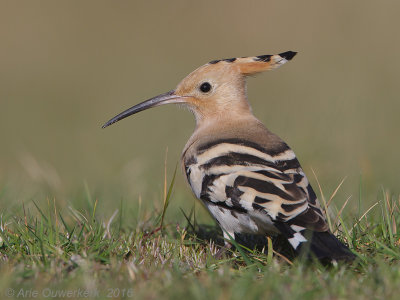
205	87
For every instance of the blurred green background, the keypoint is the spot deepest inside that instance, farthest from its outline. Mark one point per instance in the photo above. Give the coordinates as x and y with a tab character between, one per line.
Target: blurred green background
66	67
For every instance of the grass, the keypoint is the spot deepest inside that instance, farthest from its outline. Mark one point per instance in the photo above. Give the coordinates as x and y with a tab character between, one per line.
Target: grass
48	252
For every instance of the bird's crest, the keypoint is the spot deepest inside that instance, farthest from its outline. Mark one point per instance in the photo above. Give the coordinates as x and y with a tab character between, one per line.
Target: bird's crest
256	64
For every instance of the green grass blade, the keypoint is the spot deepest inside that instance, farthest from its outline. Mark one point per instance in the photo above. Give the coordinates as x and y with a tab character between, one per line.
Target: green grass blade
168	197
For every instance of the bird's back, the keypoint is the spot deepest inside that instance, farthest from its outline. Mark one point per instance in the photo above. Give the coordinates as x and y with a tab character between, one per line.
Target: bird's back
251	181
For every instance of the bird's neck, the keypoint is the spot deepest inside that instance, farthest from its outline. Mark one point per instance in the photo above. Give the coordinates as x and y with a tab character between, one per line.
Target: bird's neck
226	113
224	125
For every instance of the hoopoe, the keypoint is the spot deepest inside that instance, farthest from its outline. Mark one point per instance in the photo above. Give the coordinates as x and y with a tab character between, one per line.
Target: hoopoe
246	176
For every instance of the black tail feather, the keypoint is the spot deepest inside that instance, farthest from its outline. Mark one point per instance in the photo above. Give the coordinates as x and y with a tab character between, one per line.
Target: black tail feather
326	247
323	246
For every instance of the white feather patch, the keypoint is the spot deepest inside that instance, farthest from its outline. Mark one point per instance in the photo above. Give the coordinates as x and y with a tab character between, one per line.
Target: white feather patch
225	148
296	240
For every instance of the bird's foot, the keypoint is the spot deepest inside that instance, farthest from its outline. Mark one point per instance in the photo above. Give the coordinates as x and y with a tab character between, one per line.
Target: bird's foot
222	250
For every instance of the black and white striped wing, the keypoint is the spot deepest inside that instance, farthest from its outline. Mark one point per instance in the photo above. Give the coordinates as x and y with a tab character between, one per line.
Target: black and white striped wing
245	177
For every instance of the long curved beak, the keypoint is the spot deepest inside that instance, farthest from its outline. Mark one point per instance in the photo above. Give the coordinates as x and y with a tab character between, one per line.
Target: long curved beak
165	98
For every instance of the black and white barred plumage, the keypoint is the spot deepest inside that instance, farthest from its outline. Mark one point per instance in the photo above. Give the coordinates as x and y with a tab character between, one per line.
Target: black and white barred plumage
251	189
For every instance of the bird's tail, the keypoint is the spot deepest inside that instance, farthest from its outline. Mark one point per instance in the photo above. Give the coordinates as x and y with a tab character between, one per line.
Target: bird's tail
323	246
326	247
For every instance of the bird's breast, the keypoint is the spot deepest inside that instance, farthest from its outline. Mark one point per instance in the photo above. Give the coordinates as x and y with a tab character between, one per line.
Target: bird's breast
194	175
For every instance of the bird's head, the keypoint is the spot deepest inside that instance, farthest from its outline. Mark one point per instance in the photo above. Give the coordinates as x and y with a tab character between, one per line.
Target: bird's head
216	89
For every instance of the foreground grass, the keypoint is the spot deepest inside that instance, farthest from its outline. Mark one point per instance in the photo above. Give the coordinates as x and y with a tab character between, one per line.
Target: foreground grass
76	254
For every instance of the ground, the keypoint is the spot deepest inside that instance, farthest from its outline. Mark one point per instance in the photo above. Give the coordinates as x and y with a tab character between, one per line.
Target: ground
48	251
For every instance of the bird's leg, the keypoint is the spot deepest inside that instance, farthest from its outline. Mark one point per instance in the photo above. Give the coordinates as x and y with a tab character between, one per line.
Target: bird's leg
227	245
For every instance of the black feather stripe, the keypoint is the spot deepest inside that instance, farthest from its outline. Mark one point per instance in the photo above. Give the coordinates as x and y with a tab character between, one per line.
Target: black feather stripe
237	159
262	187
273	175
237	209
281	217
297	178
292	207
288	164
257	206
261	200
294	191
312	197
230	60
264	58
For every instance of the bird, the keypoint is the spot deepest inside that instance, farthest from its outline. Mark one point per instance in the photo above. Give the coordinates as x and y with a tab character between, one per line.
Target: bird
247	177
